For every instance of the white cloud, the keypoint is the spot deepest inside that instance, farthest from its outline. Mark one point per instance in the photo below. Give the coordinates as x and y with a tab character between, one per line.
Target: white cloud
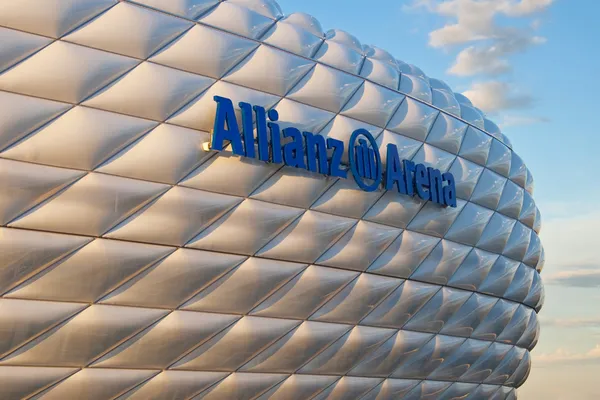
492	59
482	28
570	323
564	356
536	24
474	21
494	96
578	277
451	35
524	7
476	60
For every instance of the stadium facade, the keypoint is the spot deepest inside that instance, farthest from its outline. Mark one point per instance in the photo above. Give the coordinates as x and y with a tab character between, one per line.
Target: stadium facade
205	199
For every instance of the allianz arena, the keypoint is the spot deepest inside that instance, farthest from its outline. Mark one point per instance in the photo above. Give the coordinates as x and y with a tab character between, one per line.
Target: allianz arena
149	251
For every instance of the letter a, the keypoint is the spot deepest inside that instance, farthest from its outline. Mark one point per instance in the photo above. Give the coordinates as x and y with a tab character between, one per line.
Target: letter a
231	132
393	171
449	190
293	152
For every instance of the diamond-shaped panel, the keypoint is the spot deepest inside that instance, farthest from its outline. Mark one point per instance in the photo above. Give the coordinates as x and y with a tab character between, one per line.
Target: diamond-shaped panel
139	264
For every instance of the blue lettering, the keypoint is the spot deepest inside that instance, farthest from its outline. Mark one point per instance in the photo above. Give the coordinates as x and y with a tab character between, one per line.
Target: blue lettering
316	150
226	127
261	133
372	163
310	151
435	185
293	152
409	168
365	160
360	156
248	129
422	181
336	159
449	190
393	173
275	137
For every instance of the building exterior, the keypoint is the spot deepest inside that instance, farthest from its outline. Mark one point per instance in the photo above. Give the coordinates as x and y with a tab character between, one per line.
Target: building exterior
146	253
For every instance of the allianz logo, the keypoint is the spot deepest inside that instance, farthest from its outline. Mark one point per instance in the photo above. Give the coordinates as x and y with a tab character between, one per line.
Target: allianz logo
322	155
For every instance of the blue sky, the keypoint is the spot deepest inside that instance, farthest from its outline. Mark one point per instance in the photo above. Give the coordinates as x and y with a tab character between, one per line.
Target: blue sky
558	74
540	73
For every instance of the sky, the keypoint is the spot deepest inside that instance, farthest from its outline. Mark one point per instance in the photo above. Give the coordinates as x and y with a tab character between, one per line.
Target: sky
531	65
